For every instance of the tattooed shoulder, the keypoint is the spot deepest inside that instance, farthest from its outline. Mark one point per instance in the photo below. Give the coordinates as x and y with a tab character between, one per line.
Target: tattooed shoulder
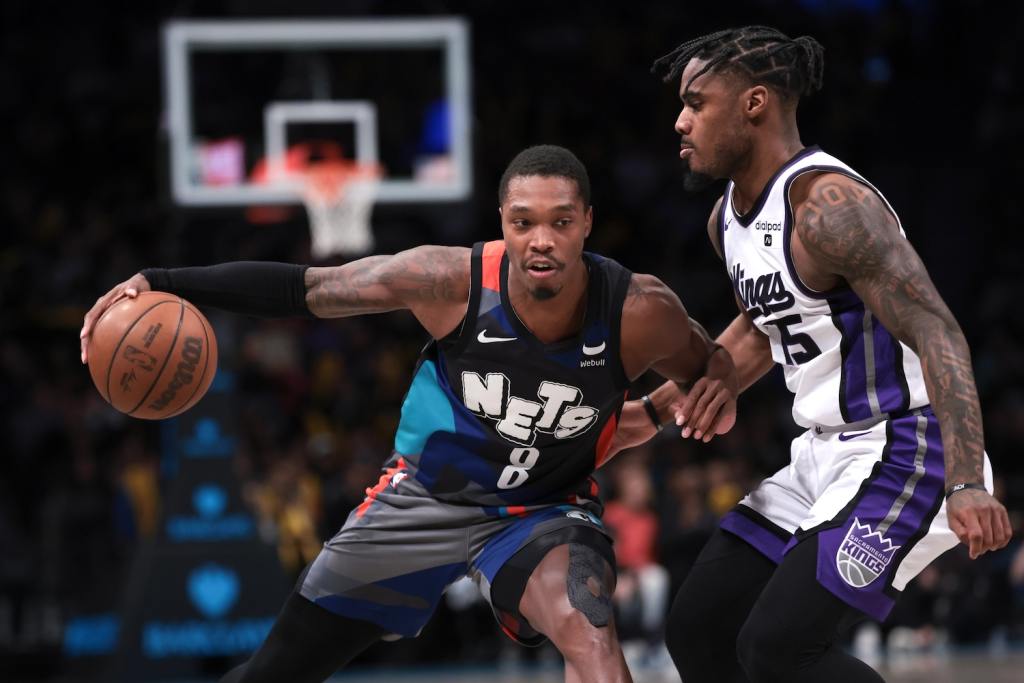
431	273
844	225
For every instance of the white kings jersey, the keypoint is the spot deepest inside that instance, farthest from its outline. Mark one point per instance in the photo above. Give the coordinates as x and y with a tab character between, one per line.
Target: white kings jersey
840	362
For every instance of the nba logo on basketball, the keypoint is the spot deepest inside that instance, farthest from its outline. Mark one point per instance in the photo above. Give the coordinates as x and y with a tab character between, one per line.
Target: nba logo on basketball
863	555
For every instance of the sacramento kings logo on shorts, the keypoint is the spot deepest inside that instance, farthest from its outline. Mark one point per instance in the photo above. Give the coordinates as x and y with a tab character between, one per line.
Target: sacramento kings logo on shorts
863	555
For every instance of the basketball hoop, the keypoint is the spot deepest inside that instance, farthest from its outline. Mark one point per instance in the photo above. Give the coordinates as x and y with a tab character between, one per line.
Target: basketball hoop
338	193
339	196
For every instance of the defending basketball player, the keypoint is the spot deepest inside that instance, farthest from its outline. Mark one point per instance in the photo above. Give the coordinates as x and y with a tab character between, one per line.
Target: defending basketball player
892	469
514	403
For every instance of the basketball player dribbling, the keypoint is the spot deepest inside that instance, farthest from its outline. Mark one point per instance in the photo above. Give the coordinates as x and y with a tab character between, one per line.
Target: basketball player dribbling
515	401
891	471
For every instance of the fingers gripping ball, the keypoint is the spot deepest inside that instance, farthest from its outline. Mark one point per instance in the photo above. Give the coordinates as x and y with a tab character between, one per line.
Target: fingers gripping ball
153	356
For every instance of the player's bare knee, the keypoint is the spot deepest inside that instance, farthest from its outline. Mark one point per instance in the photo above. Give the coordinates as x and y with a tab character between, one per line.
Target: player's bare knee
579	642
588	632
587	647
570	601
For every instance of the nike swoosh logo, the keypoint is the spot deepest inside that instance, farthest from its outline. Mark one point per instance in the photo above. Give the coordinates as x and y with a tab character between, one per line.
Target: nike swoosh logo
845	436
484	339
593	350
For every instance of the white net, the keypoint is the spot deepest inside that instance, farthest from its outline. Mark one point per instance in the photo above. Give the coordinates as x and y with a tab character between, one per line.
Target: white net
339	198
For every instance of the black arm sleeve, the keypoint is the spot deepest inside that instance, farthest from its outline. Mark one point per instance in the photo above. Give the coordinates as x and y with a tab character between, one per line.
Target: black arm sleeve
256	288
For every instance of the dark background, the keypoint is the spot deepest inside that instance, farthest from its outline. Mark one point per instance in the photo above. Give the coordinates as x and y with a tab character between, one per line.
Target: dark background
922	98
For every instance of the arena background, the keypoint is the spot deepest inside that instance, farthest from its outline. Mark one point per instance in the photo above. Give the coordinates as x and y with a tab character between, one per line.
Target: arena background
139	551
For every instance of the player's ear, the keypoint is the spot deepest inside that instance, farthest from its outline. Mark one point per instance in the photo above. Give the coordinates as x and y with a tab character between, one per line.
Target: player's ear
755	100
588	221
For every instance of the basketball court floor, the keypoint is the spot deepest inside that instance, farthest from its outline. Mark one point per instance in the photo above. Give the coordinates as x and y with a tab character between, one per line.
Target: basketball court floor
963	668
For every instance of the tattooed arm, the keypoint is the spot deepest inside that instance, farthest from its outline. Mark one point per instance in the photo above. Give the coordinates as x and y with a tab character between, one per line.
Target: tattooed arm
431	281
845	232
375	284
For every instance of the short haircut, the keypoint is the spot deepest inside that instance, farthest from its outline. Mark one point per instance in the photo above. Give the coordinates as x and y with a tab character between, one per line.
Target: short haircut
793	67
548	161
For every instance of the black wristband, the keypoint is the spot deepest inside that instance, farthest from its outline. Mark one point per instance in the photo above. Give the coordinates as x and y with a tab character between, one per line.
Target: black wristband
960	487
257	288
651	412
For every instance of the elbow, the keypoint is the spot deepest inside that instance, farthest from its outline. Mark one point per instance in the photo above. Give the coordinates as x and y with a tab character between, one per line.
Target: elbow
957	335
944	330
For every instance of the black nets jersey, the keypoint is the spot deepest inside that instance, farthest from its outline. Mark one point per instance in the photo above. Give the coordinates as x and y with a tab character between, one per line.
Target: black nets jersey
496	418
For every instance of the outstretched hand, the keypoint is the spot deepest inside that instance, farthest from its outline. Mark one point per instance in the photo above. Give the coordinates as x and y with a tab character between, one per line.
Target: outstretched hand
978	520
709	405
709	409
129	289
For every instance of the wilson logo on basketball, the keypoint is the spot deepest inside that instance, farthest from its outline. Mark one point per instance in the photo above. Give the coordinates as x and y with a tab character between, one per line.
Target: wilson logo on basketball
191	352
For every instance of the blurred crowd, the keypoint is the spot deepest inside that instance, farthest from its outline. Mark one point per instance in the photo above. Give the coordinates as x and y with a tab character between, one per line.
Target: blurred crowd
920	97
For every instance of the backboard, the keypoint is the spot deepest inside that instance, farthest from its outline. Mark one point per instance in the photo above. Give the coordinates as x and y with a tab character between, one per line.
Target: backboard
241	94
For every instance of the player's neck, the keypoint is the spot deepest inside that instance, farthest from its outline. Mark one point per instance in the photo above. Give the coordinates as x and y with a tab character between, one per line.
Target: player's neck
557	318
765	159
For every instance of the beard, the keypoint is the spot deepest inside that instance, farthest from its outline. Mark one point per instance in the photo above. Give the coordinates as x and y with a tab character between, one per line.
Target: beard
725	156
543	293
696	182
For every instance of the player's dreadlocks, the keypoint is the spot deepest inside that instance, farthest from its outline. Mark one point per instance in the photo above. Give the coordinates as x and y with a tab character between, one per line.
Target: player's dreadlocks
765	55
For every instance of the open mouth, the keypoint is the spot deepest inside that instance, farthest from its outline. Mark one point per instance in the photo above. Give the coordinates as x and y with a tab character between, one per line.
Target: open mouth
541	269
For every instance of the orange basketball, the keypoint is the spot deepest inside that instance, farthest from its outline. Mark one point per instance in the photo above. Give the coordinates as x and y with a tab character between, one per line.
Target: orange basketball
153	356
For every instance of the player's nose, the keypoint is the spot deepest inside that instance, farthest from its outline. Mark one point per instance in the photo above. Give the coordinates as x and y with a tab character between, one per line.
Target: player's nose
683	125
542	238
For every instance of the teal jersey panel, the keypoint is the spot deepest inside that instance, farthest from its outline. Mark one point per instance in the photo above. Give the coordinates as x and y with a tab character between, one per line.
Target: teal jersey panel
426	410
